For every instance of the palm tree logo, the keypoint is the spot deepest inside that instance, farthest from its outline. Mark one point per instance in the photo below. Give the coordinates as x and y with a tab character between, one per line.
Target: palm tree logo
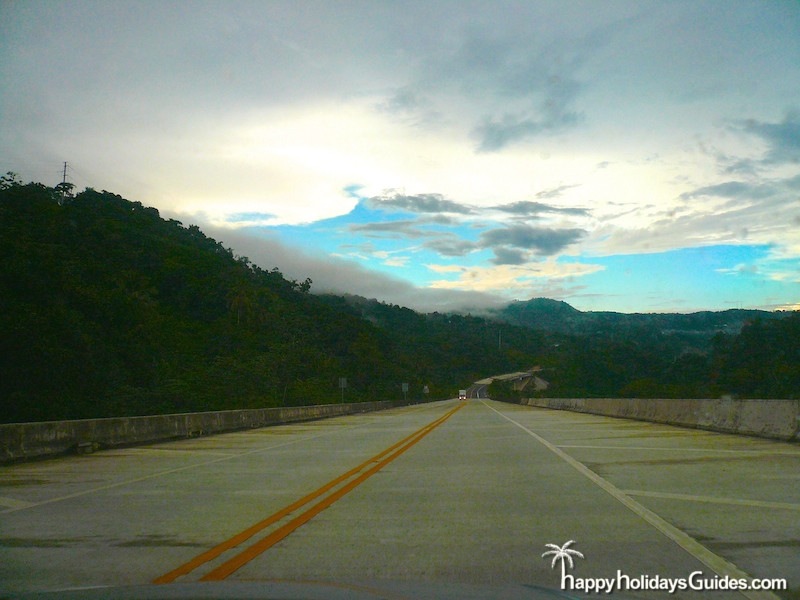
564	554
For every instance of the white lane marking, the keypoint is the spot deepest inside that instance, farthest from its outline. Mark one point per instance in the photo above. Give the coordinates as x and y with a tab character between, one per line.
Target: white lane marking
715	500
713	561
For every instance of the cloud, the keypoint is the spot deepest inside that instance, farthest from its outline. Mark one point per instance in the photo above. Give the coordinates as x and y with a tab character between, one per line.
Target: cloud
397	261
393	229
273	114
249	218
520	281
419	203
528	208
411	107
538	83
497	81
782	139
496	133
449	244
504	255
554	192
746	215
740	269
331	274
732	189
511	244
542	240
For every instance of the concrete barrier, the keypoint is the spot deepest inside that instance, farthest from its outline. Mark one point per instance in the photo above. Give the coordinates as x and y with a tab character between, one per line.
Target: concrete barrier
20	441
775	419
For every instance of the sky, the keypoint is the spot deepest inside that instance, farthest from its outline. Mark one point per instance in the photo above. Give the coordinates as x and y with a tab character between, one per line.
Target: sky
624	155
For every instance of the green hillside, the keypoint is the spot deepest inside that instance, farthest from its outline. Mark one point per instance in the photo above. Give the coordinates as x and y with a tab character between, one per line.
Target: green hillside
109	310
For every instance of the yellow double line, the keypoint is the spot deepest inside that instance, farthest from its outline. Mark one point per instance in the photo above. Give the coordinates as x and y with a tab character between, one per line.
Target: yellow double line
355	476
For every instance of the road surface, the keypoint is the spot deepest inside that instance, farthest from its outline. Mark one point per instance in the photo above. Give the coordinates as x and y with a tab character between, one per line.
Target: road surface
463	495
478	391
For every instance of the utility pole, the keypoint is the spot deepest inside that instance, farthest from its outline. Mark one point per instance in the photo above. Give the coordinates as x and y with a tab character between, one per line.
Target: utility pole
64	187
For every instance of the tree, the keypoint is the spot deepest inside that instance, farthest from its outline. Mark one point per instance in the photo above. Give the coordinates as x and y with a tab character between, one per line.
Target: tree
10	179
240	302
64	191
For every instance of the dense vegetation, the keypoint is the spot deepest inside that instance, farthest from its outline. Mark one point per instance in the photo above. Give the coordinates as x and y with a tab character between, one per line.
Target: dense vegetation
745	353
108	309
762	361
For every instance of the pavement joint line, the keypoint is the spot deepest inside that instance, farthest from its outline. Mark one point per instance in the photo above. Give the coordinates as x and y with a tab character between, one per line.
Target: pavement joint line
716	563
13	502
251	531
19	506
375	591
715	500
163	473
147	450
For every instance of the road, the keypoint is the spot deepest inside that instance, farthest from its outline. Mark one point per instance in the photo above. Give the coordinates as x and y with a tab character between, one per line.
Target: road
478	391
463	495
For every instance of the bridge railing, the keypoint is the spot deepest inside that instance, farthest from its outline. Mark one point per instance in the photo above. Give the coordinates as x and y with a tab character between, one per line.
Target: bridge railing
21	441
774	419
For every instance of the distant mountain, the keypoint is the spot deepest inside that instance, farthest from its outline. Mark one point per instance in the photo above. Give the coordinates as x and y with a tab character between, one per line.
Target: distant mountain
111	310
543	314
556	316
751	353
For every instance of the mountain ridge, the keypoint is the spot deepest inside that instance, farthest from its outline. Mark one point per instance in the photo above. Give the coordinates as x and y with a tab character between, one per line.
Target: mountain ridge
557	315
111	310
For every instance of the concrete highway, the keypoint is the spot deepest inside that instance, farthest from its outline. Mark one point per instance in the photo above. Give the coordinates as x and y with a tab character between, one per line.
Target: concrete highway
448	499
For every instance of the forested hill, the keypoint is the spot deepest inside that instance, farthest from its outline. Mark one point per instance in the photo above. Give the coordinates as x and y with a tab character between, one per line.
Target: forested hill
695	330
110	310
